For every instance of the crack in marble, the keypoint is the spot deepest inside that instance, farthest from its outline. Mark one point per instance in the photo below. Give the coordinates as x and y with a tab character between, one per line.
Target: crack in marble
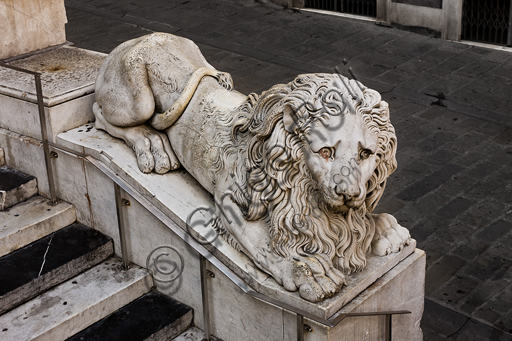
44	257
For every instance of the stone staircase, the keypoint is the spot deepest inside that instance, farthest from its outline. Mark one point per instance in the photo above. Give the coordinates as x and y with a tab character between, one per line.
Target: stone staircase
60	279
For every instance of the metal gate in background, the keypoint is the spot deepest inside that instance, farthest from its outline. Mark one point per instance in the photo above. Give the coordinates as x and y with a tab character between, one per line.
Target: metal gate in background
366	8
487	21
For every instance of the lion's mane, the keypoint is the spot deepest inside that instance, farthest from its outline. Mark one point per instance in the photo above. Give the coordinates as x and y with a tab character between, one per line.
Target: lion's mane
276	184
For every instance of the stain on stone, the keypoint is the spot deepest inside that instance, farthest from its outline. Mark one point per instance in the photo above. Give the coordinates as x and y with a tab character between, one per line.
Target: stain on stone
46	303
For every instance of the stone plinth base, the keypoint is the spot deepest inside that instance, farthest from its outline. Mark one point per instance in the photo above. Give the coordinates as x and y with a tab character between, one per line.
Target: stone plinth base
400	288
68	75
29	25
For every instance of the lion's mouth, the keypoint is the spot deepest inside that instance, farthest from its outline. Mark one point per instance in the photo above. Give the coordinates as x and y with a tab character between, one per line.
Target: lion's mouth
340	203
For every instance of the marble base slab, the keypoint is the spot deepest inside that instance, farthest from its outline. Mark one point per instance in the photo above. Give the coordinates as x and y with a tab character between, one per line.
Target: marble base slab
31	220
76	304
68	77
177	194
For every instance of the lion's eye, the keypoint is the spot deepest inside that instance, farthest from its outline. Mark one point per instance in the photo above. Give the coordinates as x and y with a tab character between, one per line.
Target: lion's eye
325	152
364	154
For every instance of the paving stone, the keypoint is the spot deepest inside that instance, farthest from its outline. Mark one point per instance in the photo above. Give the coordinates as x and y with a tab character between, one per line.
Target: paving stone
441	319
447	86
483	213
486	265
455	290
470	249
429	183
481	294
454	208
442	271
494	231
436	141
475	331
436	249
504	138
476	69
505	323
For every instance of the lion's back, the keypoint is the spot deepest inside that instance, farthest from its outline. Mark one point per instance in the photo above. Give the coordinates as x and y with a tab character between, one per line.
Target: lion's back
153	67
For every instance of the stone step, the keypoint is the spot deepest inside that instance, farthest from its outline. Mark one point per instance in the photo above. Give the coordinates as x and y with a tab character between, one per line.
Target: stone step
51	260
76	304
15	187
153	316
30	220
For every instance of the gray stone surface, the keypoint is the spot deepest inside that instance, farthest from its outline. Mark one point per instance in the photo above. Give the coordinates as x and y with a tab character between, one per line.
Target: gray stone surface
262	45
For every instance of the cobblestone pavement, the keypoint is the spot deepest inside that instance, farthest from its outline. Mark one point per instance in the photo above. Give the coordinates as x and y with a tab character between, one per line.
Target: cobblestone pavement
449	104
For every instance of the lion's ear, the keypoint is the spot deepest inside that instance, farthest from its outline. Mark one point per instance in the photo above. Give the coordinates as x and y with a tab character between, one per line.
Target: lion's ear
289	119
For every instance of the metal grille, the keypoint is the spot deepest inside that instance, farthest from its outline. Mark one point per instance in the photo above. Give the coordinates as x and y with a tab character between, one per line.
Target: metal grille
486	21
366	8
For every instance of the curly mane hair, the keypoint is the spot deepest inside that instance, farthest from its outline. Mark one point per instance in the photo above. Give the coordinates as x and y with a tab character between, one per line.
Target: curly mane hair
276	184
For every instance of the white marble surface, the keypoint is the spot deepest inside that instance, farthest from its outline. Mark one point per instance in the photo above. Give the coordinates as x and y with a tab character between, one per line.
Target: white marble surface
66	73
76	304
29	25
32	220
177	194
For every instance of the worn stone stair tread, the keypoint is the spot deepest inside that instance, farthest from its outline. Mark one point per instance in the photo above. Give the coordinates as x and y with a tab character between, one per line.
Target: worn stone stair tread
30	220
68	252
153	316
15	187
76	304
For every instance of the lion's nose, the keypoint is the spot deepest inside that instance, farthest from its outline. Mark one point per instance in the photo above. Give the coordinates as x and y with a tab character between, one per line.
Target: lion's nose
347	195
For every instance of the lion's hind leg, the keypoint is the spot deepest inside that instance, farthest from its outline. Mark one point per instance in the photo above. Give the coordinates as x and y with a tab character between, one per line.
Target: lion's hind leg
152	148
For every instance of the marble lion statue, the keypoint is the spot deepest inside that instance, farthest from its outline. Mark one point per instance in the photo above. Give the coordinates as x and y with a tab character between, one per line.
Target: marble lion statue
298	169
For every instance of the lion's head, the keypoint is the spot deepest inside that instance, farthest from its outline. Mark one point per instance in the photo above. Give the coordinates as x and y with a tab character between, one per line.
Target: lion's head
318	152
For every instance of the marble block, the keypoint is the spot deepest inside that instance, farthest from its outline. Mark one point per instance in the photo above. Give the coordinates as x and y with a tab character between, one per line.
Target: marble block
177	194
67	76
29	25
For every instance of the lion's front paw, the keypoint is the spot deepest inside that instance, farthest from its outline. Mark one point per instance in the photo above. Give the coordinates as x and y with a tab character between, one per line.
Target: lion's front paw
389	235
314	277
225	80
